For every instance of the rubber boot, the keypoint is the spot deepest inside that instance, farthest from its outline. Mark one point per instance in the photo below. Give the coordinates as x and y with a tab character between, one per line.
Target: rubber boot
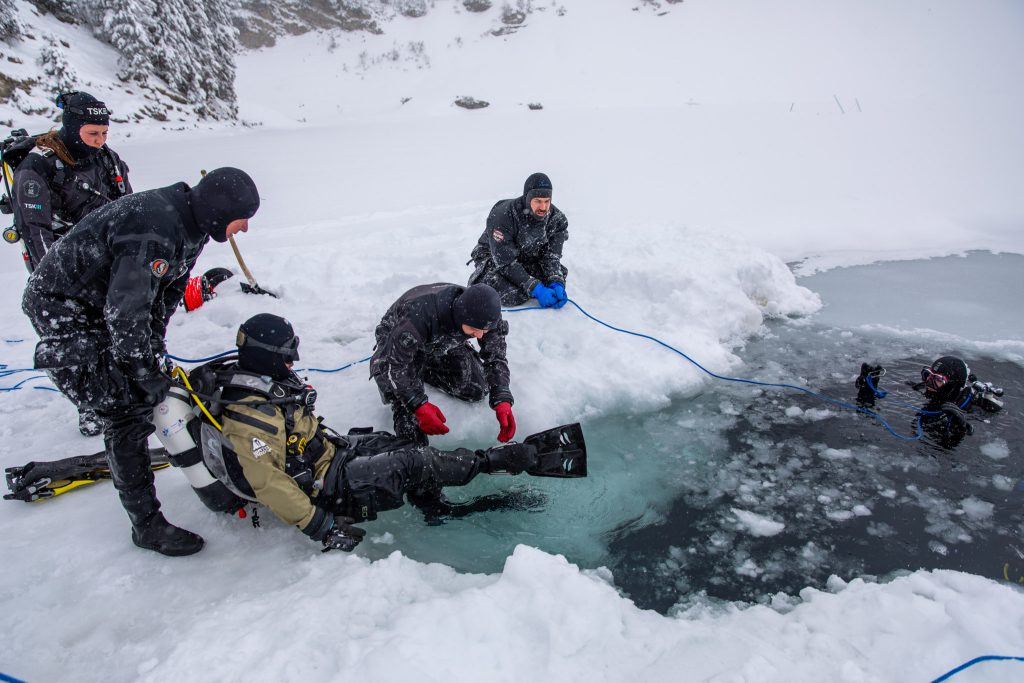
128	458
513	458
156	533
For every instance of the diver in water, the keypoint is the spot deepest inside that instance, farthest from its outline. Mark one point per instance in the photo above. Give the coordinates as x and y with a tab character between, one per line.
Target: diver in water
951	391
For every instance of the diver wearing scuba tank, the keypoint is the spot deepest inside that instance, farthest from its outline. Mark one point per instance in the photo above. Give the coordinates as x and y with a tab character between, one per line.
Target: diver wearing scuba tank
951	391
274	450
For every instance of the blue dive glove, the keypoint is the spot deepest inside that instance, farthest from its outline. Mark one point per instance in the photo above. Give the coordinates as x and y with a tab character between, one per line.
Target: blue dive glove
559	289
544	295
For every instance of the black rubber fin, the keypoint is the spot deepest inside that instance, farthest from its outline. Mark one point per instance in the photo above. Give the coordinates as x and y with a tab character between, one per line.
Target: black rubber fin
561	452
215	276
45	479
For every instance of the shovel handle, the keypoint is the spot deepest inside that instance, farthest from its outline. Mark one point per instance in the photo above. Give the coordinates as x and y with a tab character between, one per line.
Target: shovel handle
241	262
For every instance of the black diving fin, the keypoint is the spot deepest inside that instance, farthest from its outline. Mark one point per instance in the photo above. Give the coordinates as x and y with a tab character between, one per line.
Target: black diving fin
561	452
46	479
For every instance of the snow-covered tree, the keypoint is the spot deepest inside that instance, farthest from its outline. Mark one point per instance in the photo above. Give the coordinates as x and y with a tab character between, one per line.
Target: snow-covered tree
194	46
61	77
9	25
125	25
188	44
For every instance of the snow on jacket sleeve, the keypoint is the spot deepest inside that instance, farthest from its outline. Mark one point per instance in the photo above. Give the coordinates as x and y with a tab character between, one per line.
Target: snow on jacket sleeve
502	234
551	258
492	354
167	303
140	259
394	367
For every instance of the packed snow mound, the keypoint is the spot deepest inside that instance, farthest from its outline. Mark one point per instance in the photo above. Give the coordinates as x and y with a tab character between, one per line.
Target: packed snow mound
701	293
343	618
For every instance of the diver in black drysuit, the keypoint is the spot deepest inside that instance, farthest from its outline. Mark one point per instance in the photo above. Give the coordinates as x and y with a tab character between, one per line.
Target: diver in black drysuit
519	253
101	299
951	392
425	337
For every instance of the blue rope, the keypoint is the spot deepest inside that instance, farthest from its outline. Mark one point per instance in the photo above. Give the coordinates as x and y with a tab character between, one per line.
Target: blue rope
343	367
986	658
9	679
883	394
27	379
201	360
755	382
228	353
824	397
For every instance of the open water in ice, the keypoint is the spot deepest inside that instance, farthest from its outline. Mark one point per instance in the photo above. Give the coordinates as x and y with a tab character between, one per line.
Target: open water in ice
738	492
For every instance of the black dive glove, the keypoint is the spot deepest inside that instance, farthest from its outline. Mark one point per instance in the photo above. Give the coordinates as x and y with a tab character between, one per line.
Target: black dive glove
149	384
957	417
342	535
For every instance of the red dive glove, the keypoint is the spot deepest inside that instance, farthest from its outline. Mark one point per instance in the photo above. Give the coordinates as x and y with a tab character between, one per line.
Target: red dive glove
431	419
506	420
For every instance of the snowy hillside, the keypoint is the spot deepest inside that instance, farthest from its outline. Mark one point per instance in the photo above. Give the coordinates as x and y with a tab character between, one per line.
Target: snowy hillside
696	148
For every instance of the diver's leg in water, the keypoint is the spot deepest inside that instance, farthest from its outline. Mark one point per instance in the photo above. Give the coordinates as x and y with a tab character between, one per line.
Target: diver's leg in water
380	482
375	483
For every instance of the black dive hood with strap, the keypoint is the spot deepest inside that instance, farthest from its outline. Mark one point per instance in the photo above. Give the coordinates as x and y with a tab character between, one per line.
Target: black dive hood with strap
222	196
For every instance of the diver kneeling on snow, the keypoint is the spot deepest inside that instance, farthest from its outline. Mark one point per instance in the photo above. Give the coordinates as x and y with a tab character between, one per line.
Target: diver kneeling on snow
520	250
425	338
950	389
274	450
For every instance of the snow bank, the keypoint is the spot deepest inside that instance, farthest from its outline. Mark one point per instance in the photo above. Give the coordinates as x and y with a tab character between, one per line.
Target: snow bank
341	618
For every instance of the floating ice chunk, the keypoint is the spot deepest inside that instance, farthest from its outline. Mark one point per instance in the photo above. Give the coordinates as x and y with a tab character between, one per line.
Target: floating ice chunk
794	411
817	414
997	449
749	568
837	454
861	510
976	509
756	524
386	538
1001	482
938	548
839	515
727	408
881	530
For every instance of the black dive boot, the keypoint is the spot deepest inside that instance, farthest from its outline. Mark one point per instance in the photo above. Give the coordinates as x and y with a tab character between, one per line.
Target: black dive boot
128	458
156	533
512	458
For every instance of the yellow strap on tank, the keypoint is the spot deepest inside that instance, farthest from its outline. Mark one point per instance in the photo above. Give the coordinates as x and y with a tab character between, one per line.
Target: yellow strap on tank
183	376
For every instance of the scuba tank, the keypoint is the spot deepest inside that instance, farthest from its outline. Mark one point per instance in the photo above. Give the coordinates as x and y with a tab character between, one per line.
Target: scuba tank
12	151
178	429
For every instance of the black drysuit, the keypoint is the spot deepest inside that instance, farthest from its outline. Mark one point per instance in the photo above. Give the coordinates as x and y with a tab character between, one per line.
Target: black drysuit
51	197
517	250
359	474
100	300
418	340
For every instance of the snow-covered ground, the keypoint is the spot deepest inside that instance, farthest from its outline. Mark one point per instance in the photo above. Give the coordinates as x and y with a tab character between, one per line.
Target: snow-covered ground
696	148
